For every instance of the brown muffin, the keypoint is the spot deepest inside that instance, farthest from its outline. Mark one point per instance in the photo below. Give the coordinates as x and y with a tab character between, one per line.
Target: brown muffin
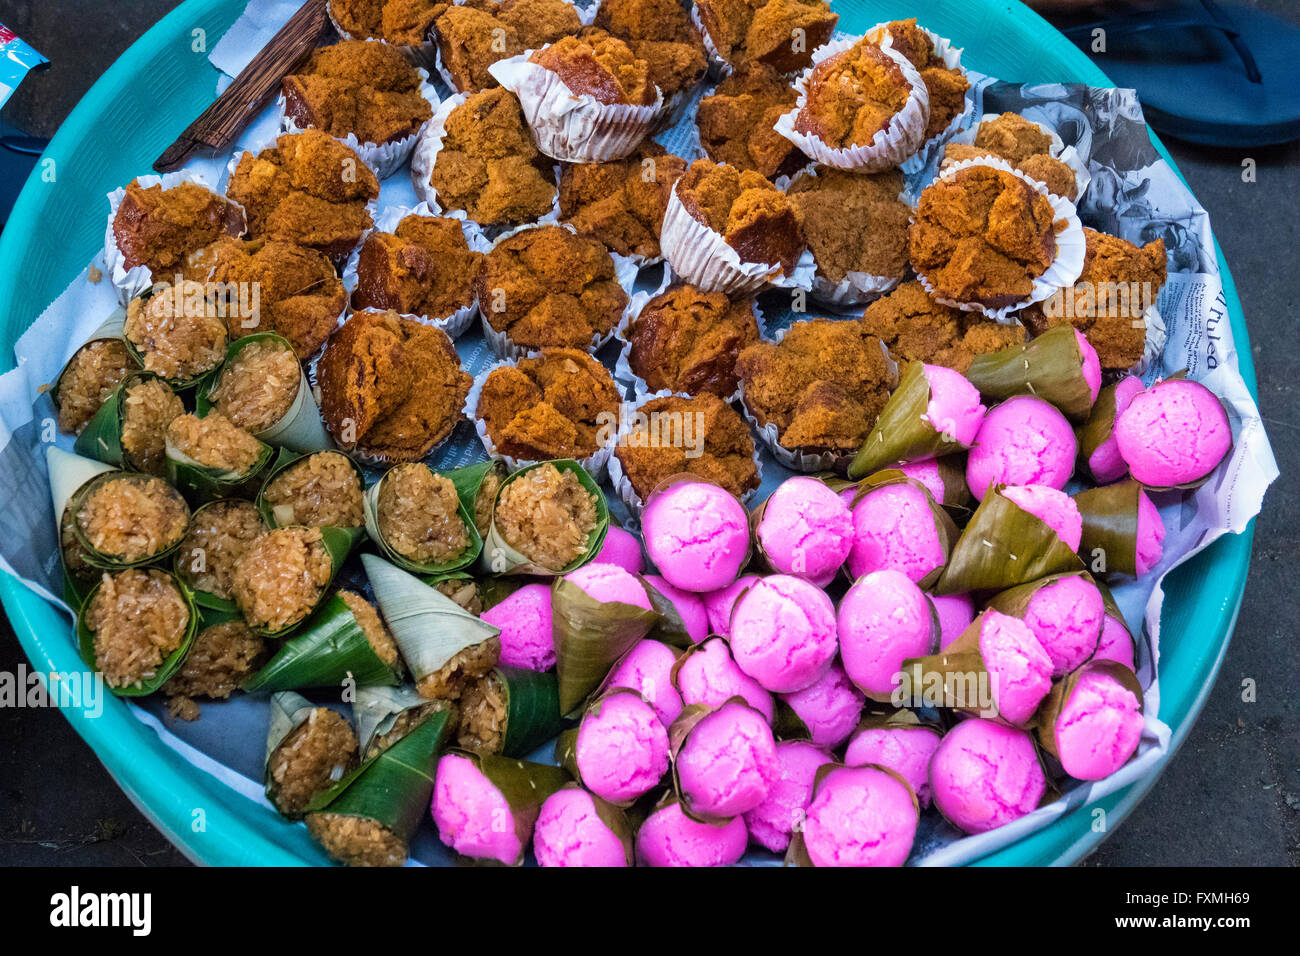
853	222
401	22
661	33
946	88
299	293
916	328
390	387
852	96
600	66
488	165
764	31
1119	282
1022	144
423	267
822	386
474	35
752	216
702	435
547	287
554	405
156	227
685	340
982	236
736	122
357	86
622	202
308	189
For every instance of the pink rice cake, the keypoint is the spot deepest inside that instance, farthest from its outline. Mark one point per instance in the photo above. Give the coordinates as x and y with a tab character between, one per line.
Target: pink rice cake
468	810
1020	672
894	528
954	408
1106	463
829	708
1054	508
1098	728
622	548
610	584
1174	433
727	763
904	750
647	669
670	838
884	619
1023	441
783	633
772	822
622	748
985	775
1091	366
720	603
955	612
527	639
569	832
1066	617
690	606
710	676
697	535
1116	644
805	530
860	816
1150	535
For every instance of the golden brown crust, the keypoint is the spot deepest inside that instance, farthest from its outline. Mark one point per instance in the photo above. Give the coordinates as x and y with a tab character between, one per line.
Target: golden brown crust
1023	145
685	340
474	35
752	216
661	33
918	329
156	227
621	203
403	22
779	33
736	122
600	66
423	267
854	222
852	96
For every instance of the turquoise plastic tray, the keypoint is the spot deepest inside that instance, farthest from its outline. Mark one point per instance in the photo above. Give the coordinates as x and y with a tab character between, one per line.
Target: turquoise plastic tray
161	83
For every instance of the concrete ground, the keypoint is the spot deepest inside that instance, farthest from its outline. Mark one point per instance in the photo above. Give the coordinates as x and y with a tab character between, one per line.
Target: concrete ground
1230	797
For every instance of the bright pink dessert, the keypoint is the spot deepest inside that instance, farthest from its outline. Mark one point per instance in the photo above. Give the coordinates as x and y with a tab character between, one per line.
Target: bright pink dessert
1106	463
1098	728
525	621
609	584
860	816
1054	508
670	838
1116	644
1020	672
719	603
622	548
883	620
727	763
569	832
690	606
985	775
1173	433
1091	365
468	810
954	408
783	633
710	676
1150	535
622	748
1066	617
893	527
955	611
927	473
772	822
806	530
697	535
830	707
1023	441
904	750
647	669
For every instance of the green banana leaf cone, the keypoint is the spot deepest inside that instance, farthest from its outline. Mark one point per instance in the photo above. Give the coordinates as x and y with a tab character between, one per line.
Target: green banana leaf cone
590	637
500	557
510	711
903	433
1049	366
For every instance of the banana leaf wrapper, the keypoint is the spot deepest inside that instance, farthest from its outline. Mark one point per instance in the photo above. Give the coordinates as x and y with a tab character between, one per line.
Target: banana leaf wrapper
786	724
301	428
201	483
1049	367
108	562
951	679
1110	527
590	637
1050	712
329	648
797	853
1113	611
1097	428
902	432
112	328
68	474
532	700
492	591
338	543
952	472
101	439
524	785
284	458
469	479
376	709
499	557
203	598
670	628
394	787
171	663
944	526
678	735
469	594
429	628
465	559
1002	546
287	710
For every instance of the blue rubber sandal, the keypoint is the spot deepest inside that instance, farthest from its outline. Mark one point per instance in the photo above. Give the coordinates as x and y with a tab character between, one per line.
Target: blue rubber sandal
1218	75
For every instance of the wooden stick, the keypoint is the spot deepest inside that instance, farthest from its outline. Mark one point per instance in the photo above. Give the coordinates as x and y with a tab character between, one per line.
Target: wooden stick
219	124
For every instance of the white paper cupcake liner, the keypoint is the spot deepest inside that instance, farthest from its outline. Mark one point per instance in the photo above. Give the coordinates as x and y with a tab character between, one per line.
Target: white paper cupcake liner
460	320
128	283
719	68
418	55
576	129
622	484
702	257
586	16
425	155
800	461
500	343
594	465
1066	265
951	57
384	158
900	138
623	365
1066	154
